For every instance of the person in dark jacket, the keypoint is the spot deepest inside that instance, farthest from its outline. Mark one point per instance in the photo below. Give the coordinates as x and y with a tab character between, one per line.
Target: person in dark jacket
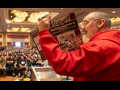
16	66
22	65
9	65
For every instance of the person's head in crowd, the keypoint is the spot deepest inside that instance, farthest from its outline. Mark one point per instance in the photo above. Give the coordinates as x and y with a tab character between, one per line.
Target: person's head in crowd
14	53
95	22
22	58
27	55
20	54
31	58
14	56
7	57
30	54
0	54
5	54
15	59
39	57
37	52
35	56
10	53
2	57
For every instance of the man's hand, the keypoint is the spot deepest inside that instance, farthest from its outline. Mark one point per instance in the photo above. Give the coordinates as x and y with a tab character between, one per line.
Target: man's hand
44	24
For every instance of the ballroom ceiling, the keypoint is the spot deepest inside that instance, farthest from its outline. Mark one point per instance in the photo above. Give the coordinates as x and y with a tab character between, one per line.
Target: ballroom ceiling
25	20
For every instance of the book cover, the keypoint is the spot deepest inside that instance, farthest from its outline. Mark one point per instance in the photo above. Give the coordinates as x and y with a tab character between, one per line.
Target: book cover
66	32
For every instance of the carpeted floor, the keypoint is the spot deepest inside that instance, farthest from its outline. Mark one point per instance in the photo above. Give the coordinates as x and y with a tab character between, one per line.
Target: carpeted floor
9	78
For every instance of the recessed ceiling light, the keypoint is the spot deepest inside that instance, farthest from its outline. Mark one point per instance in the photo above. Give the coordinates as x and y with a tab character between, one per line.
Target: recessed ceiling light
11	16
113	12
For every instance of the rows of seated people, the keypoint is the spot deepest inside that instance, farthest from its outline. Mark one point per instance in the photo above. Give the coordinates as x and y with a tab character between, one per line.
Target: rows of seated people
16	61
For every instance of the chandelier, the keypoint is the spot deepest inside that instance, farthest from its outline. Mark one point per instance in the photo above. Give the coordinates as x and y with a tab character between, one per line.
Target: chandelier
14	29
113	20
20	16
34	16
24	29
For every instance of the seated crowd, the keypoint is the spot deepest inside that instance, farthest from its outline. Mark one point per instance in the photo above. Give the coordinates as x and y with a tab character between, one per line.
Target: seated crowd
17	61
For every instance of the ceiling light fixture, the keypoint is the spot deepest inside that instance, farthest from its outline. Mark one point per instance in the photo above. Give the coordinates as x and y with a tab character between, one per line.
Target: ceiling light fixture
14	29
20	16
34	16
113	12
113	20
24	29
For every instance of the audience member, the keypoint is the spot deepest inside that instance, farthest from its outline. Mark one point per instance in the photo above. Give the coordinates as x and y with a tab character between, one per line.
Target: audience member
33	62
16	66
39	61
3	66
22	65
19	61
9	65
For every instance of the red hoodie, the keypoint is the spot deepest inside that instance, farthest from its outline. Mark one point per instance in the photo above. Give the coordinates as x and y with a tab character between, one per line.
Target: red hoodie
96	60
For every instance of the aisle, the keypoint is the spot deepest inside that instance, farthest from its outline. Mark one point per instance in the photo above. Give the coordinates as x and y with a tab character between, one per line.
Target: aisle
9	78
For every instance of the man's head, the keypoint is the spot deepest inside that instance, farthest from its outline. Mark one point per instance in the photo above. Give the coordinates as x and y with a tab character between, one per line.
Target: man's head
2	57
22	58
31	57
15	59
39	57
95	22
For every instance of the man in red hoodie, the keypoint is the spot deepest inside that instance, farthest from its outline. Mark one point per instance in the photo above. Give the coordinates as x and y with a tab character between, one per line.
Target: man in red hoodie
96	60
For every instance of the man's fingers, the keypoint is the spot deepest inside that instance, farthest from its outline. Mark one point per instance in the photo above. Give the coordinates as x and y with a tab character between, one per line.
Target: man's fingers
45	19
49	18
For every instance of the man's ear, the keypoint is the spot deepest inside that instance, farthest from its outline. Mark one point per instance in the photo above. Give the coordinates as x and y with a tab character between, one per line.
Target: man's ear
101	23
